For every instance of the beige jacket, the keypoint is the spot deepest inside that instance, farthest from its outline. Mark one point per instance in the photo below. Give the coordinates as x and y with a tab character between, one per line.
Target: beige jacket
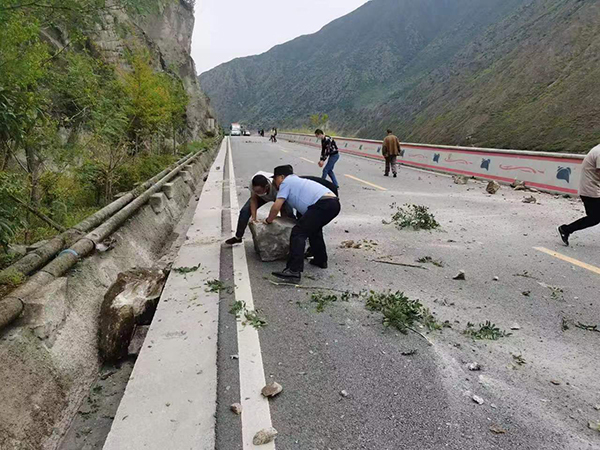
391	146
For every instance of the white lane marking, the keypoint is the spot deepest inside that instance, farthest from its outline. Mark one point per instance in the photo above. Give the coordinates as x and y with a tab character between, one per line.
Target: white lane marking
256	413
570	260
307	160
284	151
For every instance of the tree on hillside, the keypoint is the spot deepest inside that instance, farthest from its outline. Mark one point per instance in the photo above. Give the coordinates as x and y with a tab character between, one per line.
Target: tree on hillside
319	121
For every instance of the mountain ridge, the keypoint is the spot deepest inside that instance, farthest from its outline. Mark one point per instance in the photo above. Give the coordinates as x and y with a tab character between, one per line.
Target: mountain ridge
459	72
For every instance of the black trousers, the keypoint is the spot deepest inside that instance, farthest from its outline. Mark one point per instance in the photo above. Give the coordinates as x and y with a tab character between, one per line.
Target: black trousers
592	218
310	227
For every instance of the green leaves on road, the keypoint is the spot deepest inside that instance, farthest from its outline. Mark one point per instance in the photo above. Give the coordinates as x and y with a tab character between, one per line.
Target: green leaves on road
488	330
415	217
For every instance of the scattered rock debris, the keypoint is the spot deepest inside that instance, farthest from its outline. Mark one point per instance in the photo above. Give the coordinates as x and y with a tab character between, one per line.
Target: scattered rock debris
594	425
236	408
518	185
477	399
264	436
344	393
492	187
409	352
474	366
497	429
530	199
460	276
460	179
272	389
350	244
515	326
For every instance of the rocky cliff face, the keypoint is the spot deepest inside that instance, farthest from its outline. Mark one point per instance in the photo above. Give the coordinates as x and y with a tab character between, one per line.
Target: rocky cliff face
167	35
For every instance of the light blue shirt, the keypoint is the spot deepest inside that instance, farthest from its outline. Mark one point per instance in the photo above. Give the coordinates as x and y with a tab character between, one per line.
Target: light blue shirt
300	194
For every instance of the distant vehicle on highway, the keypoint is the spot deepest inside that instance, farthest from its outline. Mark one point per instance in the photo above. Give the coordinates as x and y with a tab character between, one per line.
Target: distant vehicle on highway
246	133
236	129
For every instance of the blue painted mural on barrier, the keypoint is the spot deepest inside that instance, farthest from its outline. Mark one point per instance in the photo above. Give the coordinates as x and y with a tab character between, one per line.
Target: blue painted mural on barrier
485	164
564	173
436	158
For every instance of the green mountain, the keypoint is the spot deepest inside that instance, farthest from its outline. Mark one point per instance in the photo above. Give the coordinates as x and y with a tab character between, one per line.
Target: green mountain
497	73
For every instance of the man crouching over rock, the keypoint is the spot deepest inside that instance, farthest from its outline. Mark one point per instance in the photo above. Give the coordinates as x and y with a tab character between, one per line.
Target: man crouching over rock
317	205
262	191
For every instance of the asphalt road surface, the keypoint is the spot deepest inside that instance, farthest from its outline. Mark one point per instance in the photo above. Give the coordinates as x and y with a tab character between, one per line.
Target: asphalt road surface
539	386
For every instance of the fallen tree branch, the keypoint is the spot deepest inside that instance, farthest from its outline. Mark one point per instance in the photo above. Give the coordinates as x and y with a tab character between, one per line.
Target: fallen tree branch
422	335
299	286
398	264
39	214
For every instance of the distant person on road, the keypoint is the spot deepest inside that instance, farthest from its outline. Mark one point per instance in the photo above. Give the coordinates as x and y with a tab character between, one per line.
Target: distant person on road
317	206
589	191
262	191
390	151
329	153
273	135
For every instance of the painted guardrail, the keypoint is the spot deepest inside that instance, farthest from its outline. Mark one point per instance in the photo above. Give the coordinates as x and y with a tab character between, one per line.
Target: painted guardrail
552	172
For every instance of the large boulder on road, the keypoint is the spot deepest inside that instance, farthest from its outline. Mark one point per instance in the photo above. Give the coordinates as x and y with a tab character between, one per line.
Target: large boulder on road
131	301
272	242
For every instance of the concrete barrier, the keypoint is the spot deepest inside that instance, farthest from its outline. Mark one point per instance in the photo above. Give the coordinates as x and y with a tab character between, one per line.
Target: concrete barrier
551	172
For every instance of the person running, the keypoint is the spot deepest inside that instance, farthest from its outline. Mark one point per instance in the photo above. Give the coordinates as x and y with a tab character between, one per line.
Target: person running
329	153
262	191
390	151
317	205
589	191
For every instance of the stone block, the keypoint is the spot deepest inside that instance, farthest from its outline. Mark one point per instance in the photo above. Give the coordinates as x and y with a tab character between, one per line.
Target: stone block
272	242
187	176
158	202
169	190
131	301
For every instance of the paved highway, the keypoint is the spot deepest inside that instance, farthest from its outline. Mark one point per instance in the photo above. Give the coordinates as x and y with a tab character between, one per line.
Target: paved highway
424	400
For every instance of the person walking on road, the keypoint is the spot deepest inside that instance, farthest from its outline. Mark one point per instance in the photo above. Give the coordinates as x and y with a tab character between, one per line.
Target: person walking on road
390	151
329	153
317	205
589	191
262	191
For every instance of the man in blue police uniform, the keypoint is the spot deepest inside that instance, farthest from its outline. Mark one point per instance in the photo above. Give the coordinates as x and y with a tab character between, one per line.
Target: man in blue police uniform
318	206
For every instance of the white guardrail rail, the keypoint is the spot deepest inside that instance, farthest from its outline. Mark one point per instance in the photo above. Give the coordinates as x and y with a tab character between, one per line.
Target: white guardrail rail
552	172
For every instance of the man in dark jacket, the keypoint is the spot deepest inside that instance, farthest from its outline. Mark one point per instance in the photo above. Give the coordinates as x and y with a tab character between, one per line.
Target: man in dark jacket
329	153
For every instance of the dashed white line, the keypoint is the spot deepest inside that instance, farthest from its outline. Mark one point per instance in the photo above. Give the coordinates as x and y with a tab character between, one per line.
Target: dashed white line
256	413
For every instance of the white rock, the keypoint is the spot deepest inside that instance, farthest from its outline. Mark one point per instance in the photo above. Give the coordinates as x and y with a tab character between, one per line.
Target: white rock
478	400
236	408
344	393
264	436
272	389
515	326
474	366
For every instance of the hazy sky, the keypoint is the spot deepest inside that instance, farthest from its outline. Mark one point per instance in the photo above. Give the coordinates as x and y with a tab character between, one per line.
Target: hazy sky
227	29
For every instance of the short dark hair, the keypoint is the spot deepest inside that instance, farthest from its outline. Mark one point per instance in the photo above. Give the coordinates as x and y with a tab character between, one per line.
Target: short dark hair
260	180
319	131
389	131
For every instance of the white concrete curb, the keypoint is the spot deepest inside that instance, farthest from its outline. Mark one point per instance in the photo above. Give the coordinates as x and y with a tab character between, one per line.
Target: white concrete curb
170	401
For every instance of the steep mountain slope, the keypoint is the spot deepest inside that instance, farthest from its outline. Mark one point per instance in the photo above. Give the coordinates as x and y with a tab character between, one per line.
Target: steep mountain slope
506	73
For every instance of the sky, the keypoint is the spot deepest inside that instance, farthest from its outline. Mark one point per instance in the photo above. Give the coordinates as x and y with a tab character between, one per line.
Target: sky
228	29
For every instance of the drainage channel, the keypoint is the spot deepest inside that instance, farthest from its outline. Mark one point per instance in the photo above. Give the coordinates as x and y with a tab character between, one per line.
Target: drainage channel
93	420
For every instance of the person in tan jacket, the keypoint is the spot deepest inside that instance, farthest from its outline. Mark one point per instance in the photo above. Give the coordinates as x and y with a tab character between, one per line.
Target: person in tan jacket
390	150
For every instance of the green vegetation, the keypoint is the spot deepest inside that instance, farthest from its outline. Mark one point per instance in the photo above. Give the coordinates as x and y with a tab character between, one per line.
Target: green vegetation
430	260
76	129
217	286
400	312
416	217
487	330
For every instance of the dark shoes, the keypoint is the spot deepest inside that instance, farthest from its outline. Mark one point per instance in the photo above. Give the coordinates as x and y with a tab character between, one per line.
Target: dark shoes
288	275
308	253
233	240
386	174
318	264
563	235
395	175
